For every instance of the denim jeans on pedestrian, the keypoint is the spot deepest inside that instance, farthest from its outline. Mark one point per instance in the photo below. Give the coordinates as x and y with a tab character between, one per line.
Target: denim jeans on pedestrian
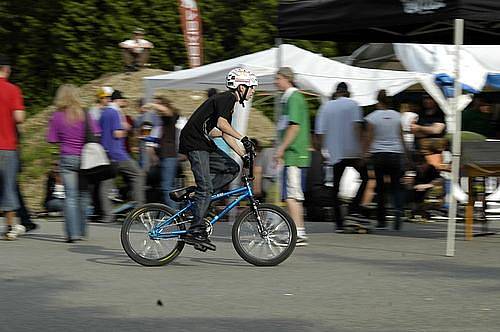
134	175
212	172
76	201
168	174
9	164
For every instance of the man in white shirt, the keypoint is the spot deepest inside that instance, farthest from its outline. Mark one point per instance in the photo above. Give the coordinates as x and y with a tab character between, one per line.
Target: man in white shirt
136	50
338	126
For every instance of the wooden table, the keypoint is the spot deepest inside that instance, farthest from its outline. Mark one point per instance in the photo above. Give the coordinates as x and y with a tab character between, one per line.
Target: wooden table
478	159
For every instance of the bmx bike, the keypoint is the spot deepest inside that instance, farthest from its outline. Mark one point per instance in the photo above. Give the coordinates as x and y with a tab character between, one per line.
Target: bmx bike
263	234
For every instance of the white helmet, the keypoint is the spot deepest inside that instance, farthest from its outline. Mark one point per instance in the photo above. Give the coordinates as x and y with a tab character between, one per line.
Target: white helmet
241	76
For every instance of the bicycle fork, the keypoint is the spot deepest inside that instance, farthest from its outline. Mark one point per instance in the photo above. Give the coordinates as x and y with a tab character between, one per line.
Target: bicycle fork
262	230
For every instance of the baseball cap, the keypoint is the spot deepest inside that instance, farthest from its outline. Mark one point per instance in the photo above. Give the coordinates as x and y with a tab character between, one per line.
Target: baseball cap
139	31
117	94
104	91
287	73
4	60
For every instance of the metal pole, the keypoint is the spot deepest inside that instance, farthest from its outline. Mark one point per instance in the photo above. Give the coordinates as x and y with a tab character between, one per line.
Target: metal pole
455	162
277	114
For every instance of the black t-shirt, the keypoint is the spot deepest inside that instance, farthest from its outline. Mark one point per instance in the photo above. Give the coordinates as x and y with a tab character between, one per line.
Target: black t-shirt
167	140
194	135
429	119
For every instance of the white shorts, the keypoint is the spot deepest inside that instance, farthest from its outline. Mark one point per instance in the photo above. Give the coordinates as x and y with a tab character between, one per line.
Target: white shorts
294	180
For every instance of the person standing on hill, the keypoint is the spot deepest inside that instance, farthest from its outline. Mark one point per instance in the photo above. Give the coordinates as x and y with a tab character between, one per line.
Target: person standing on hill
294	148
11	113
136	50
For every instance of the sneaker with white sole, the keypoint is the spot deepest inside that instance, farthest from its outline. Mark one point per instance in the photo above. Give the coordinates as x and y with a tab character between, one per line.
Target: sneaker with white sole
15	231
302	240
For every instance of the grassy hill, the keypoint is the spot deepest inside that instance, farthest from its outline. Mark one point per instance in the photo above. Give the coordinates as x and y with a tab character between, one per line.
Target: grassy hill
37	154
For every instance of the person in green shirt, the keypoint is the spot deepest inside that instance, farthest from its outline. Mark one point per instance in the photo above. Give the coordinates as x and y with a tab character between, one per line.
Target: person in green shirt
294	148
478	118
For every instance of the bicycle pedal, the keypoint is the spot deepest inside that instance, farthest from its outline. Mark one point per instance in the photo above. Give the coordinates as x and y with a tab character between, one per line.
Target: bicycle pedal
200	247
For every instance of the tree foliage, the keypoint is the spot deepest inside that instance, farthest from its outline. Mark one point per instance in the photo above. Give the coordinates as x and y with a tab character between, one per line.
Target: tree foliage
56	41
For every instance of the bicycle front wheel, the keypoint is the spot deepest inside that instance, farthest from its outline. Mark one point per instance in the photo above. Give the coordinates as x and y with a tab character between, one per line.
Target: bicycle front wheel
267	248
140	246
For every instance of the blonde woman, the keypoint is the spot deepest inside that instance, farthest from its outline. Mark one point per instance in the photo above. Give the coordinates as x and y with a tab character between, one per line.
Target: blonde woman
67	128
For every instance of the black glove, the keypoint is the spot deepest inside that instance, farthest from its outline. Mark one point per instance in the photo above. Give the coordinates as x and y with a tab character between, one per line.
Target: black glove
246	161
247	144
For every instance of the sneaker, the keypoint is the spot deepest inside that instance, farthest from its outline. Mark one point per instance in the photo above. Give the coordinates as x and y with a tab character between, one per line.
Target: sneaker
30	227
199	239
302	240
16	231
339	230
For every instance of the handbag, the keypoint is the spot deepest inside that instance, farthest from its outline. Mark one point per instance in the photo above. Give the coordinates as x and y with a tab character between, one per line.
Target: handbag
95	165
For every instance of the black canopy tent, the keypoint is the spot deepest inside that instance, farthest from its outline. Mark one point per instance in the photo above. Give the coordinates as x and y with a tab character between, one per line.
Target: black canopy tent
410	21
389	21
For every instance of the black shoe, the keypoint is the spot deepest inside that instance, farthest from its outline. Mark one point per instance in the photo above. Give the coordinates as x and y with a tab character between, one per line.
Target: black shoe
30	227
198	238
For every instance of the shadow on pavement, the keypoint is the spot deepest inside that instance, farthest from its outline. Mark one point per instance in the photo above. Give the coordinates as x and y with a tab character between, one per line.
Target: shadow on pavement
222	261
52	314
45	237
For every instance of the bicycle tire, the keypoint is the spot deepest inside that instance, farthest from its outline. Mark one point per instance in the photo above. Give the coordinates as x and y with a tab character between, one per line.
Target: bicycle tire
285	244
152	209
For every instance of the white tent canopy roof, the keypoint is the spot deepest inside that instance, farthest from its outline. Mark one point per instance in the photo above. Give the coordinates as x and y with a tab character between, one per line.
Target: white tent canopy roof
476	61
313	72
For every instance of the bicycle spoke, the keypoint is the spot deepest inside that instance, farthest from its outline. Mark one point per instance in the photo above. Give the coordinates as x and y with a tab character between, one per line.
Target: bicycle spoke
145	223
273	244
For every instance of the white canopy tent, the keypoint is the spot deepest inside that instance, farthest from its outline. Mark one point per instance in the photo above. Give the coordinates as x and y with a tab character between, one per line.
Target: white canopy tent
313	72
476	61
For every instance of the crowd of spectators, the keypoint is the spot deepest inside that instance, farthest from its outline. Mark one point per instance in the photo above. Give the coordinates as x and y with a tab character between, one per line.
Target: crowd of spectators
401	150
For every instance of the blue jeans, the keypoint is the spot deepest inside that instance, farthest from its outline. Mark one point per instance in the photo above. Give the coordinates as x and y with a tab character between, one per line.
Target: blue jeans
76	201
212	172
9	164
168	173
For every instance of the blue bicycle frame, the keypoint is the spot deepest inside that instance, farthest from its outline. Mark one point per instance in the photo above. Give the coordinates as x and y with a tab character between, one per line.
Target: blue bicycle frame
243	192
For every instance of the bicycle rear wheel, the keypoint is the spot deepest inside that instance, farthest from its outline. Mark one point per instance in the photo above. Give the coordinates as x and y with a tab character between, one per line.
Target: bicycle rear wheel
264	249
138	244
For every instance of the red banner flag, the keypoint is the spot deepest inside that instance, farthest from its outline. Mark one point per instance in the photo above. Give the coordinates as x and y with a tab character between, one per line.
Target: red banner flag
191	27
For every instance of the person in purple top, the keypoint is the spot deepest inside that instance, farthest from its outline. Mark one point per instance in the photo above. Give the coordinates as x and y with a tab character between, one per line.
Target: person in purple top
67	127
114	131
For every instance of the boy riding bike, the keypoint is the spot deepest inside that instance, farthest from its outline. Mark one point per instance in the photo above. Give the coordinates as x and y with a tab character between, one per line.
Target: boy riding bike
212	168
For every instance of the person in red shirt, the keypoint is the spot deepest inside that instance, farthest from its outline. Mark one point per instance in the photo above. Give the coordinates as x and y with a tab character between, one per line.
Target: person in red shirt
11	112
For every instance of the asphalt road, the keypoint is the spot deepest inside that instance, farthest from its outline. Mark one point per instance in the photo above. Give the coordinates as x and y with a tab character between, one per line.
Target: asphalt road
341	282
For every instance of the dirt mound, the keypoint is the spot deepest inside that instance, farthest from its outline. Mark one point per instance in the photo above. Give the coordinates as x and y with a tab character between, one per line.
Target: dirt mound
37	155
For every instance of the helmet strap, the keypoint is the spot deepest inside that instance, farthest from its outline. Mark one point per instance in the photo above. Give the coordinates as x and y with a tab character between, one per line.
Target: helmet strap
244	96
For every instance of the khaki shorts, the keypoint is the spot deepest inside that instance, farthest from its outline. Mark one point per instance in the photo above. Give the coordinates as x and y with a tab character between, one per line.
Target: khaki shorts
294	180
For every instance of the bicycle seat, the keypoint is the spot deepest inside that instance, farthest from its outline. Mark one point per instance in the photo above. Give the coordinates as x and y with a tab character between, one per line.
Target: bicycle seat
182	194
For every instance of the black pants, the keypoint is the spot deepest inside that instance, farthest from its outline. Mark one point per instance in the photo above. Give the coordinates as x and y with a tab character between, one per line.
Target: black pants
22	212
388	164
212	171
338	170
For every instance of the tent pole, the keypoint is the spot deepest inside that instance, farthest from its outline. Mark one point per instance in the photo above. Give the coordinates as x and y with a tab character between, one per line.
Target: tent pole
277	114
455	163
